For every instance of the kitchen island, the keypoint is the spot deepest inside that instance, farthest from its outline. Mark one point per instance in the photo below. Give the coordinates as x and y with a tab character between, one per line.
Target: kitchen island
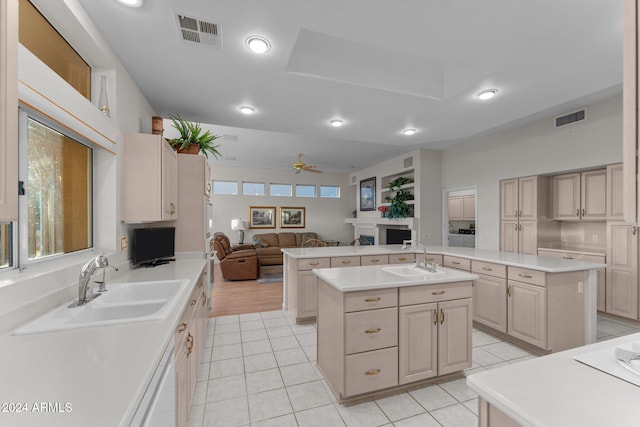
381	328
558	390
547	303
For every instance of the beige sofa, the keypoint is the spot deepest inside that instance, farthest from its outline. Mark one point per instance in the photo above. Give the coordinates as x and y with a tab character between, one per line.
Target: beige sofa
268	245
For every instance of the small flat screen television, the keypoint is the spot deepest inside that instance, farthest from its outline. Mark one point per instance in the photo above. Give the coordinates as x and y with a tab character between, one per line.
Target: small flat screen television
152	246
396	236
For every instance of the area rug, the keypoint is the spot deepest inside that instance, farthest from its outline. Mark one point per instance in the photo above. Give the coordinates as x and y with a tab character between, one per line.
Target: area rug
270	274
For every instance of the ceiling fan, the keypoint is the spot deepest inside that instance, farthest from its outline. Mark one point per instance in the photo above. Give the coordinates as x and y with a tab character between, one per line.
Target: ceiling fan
300	166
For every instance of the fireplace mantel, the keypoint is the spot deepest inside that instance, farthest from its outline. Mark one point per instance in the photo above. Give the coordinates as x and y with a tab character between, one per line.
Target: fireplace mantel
377	227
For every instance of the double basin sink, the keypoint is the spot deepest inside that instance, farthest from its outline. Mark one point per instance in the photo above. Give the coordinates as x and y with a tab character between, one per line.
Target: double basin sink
125	303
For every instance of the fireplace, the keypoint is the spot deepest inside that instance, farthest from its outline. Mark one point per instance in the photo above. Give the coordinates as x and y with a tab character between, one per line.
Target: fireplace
366	239
395	236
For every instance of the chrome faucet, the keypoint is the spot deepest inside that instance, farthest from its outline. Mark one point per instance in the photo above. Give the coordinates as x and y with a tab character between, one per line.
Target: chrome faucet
87	271
425	264
404	244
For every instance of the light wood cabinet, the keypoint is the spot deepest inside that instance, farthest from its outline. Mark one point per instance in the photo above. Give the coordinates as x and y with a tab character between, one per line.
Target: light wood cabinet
418	340
149	179
9	111
580	196
615	196
630	99
622	270
490	295
524	205
302	287
456	208
469	208
191	225
401	258
526	308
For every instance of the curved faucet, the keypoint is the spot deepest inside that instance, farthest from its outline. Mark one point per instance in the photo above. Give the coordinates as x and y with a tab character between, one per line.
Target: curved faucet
86	272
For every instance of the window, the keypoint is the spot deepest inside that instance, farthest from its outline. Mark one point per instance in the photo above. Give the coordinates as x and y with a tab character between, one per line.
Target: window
59	216
42	39
253	188
225	187
280	190
330	191
303	190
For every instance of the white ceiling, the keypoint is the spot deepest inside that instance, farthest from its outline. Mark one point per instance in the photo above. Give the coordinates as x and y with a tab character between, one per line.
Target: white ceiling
379	65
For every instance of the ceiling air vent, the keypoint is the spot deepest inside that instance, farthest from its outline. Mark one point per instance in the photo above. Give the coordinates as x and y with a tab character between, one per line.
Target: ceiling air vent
571	118
199	31
408	162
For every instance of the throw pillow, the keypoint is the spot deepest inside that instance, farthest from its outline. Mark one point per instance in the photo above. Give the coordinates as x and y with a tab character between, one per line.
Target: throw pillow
259	242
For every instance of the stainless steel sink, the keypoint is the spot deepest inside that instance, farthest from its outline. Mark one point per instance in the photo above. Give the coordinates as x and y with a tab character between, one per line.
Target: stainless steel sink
124	303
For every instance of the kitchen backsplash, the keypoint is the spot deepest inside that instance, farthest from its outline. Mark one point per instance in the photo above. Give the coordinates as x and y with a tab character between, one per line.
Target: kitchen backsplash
588	235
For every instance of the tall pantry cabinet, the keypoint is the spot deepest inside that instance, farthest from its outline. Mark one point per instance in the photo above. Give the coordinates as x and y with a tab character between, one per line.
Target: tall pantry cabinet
194	191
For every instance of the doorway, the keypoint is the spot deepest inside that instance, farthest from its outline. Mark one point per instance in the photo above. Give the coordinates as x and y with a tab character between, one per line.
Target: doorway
460	217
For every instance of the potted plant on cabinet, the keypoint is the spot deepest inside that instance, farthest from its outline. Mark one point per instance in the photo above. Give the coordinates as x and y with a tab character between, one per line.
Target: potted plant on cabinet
192	139
398	207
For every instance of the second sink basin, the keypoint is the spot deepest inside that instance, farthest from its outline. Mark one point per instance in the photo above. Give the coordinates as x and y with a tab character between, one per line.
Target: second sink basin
410	271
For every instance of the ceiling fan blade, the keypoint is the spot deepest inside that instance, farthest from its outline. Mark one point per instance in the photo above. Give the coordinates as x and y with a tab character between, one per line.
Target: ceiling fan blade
313	170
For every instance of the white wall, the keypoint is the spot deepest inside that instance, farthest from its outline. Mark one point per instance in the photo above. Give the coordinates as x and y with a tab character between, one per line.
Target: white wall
323	216
534	148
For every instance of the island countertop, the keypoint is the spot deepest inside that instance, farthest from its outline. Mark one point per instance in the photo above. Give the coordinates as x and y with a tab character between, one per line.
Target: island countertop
557	390
533	262
349	279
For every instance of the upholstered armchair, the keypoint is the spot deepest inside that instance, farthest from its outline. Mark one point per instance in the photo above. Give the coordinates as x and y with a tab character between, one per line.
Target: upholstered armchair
239	262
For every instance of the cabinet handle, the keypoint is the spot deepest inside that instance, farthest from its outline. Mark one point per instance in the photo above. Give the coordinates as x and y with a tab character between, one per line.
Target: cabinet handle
346	262
402	259
437	293
372	331
172	208
442	316
515	213
372	372
375	260
582	212
182	327
567	257
519	214
634	230
314	263
516	227
374	299
435	316
487	269
430	259
455	262
577	212
508	290
201	285
204	299
193	302
189	344
526	276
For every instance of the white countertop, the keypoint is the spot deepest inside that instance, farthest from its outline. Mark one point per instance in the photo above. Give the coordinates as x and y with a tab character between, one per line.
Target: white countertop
556	390
349	279
101	372
583	251
546	264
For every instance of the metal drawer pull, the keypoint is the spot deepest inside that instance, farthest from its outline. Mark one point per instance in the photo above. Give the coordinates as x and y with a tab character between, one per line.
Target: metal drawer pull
515	213
182	327
437	293
526	276
189	345
430	259
442	316
582	212
402	259
634	230
373	372
567	257
487	269
314	263
374	299
509	290
375	260
372	331
193	302
346	262
577	212
455	262
520	214
435	316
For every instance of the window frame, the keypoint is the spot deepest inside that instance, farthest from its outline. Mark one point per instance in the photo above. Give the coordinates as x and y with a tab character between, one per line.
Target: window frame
271	184
264	188
213	190
330	186
315	190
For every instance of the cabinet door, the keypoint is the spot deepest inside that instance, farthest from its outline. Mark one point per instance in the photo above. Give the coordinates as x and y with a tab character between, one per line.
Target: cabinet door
469	208
454	335
182	383
417	342
594	195
526	313
490	302
565	197
307	294
528	198
456	208
169	182
622	270
528	237
509	205
509	236
615	207
207	179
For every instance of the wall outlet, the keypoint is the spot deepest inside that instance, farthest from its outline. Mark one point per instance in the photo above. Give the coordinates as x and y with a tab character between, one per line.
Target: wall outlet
123	243
594	238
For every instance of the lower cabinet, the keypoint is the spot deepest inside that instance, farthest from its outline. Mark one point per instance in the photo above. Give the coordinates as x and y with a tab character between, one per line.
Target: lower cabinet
489	302
383	338
188	342
526	310
622	270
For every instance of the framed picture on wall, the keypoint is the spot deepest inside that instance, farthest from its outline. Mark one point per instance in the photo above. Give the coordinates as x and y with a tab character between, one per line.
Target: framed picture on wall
292	217
368	194
262	217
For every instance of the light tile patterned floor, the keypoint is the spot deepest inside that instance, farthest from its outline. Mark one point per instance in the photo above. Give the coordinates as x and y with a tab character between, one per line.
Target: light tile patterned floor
259	369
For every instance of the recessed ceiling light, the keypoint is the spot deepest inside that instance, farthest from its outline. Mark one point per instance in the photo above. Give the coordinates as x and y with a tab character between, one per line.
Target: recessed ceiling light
408	132
245	109
258	44
131	3
336	123
487	94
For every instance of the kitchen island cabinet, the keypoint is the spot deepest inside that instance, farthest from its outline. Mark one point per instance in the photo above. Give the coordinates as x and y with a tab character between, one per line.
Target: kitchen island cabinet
378	331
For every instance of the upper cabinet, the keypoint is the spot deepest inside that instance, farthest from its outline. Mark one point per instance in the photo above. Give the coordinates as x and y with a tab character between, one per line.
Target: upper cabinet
580	196
630	110
615	205
149	179
462	208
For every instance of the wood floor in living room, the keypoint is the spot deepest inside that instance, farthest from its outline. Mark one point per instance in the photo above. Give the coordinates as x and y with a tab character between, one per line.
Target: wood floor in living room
243	296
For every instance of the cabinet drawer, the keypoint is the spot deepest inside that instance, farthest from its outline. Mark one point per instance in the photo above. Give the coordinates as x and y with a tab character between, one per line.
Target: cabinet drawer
411	295
367	300
401	258
525	275
370	371
489	269
371	330
345	261
311	263
455	262
374	259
